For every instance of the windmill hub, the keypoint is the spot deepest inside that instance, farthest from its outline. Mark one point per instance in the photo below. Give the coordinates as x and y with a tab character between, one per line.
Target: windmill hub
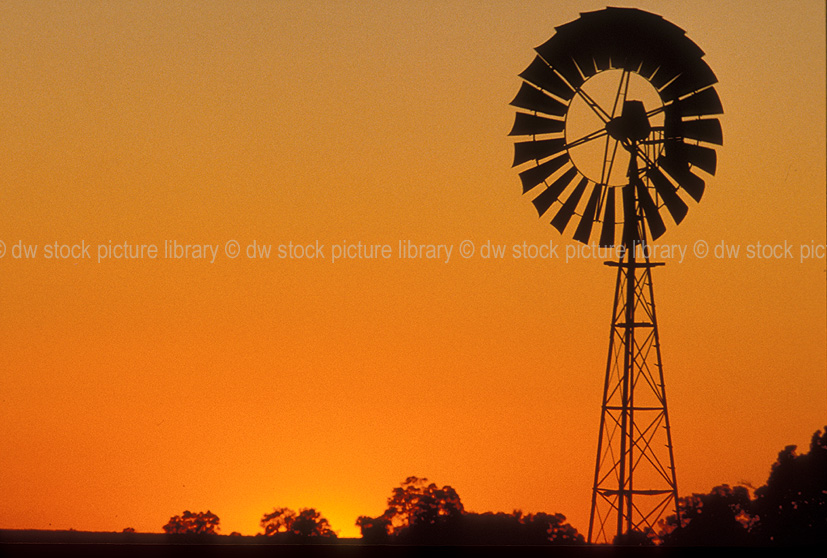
632	124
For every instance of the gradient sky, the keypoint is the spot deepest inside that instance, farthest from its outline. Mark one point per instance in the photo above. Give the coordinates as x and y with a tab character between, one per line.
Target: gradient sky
132	390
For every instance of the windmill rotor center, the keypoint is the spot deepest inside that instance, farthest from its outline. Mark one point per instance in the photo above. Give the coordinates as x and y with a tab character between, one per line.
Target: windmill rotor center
632	124
625	108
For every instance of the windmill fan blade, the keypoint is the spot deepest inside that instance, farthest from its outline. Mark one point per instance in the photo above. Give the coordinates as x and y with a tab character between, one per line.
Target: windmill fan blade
667	72
532	98
536	149
557	52
607	234
564	215
585	63
702	157
540	74
530	125
535	175
631	64
704	103
630	231
647	68
650	211
694	185
602	60
681	69
708	131
676	206
631	37
695	75
584	229
550	194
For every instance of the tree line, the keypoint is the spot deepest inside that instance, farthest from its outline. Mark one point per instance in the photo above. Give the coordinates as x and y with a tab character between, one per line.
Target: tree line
790	509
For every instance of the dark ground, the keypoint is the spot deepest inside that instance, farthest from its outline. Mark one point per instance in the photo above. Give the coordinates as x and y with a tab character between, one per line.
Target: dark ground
15	543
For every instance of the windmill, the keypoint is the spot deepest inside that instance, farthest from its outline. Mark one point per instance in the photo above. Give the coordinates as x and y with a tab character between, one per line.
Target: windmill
620	109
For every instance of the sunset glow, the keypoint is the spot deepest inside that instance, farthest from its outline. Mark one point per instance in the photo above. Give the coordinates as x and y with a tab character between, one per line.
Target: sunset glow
234	274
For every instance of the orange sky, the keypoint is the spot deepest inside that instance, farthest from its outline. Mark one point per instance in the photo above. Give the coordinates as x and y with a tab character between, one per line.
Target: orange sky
134	389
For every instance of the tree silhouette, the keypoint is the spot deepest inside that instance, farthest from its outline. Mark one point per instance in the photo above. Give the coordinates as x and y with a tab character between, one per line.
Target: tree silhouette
516	528
635	538
279	521
416	510
375	530
306	523
417	503
790	509
423	513
792	506
201	523
720	518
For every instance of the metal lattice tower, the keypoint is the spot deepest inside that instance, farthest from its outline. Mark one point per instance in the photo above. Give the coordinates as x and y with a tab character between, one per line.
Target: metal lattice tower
634	477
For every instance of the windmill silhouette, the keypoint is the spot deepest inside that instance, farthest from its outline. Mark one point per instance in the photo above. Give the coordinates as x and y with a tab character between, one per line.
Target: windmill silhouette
620	113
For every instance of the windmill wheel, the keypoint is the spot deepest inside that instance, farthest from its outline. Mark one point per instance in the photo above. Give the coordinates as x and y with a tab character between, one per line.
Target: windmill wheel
617	99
